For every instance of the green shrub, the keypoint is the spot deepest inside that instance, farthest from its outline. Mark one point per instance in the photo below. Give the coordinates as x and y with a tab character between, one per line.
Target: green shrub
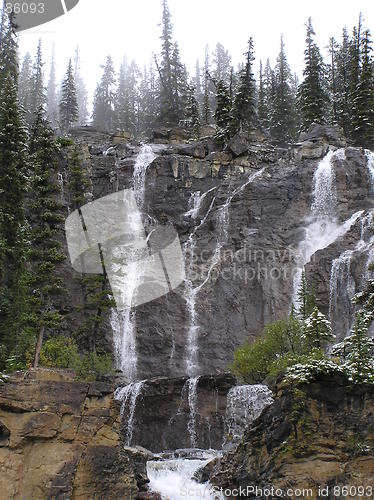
59	352
91	366
279	346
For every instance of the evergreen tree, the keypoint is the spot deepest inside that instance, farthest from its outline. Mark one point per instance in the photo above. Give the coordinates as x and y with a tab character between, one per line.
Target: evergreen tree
12	188
306	298
147	107
243	110
333	83
52	102
317	330
222	115
81	91
207	109
103	112
38	97
222	64
69	112
363	111
312	96
198	86
192	117
24	83
261	100
46	219
127	98
342	84
282	125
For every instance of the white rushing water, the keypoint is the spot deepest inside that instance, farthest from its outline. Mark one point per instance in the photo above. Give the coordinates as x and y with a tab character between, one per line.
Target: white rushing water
123	322
173	479
323	228
245	403
128	396
192	403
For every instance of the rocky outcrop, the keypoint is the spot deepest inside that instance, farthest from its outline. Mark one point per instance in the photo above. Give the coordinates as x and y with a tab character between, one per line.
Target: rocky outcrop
162	416
59	438
316	435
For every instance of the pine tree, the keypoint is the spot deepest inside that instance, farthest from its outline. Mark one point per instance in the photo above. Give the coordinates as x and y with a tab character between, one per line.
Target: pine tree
244	104
333	83
192	116
342	84
147	106
24	83
222	64
81	91
103	112
208	91
312	96
52	102
317	330
282	125
306	298
198	86
69	112
12	188
45	214
363	111
38	98
127	98
222	115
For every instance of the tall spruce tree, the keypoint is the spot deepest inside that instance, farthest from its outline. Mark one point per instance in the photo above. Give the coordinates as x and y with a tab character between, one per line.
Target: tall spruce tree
13	174
222	114
45	215
244	105
69	112
81	91
282	125
312	95
363	111
127	98
38	98
24	83
147	107
342	84
192	115
317	330
52	102
103	111
207	90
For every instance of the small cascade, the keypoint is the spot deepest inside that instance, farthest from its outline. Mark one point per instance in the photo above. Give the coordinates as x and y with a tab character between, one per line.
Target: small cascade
128	396
61	183
245	403
323	229
129	271
342	289
173	478
195	203
192	403
143	160
370	164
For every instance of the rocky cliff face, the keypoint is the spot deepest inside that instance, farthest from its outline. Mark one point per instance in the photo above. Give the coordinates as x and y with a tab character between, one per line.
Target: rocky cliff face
317	435
246	210
59	439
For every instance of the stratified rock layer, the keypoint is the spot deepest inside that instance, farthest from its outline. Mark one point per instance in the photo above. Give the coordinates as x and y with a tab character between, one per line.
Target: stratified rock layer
59	440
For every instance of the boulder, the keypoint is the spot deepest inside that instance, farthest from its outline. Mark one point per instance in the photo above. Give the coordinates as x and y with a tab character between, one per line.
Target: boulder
333	135
239	144
310	150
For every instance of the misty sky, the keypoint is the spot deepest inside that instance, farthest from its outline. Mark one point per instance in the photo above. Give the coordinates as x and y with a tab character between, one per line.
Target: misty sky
131	27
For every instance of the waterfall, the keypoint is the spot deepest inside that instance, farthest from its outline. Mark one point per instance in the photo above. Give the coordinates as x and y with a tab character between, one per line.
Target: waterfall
192	403
370	165
129	272
323	229
128	396
342	289
192	365
245	403
173	478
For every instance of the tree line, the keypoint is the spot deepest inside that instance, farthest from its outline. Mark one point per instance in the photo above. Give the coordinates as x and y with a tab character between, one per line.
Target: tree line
339	91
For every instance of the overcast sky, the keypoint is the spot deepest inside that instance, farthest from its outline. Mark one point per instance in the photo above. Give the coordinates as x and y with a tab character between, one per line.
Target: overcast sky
131	27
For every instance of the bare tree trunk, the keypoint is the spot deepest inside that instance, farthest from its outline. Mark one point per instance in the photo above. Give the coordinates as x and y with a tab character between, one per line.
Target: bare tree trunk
39	346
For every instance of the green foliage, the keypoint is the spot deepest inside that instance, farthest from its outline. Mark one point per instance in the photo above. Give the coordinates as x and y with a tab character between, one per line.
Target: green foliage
62	352
69	112
222	114
279	346
306	298
317	330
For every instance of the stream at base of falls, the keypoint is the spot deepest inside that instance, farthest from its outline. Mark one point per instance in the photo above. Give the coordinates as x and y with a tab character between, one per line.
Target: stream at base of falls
172	477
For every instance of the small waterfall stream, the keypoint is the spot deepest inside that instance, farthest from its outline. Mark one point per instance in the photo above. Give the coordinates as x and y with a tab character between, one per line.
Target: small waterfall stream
128	397
123	322
192	402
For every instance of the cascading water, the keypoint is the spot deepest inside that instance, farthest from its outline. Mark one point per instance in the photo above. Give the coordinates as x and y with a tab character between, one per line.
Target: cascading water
173	478
323	228
245	403
123	322
192	403
128	396
342	289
